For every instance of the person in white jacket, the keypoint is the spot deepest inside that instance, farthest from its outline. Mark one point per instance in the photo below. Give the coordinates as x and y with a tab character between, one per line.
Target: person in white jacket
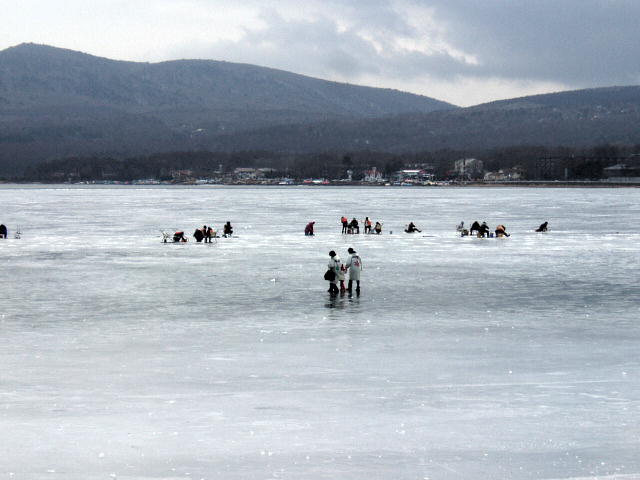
334	265
354	265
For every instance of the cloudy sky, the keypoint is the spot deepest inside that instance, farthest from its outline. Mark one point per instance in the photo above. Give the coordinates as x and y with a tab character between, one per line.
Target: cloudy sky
461	51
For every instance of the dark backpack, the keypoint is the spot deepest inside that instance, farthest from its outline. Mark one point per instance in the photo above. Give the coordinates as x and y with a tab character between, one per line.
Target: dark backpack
330	275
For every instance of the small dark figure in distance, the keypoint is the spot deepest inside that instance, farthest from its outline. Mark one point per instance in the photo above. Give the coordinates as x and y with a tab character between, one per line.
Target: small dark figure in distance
411	228
198	235
207	234
179	237
378	228
3	231
308	230
354	226
475	227
501	231
228	230
483	231
543	227
345	225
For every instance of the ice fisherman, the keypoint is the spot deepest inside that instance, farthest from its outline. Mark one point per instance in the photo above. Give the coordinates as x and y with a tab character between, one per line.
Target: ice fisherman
354	265
198	235
228	229
378	228
411	228
501	231
475	227
483	231
333	272
543	228
367	225
209	233
345	224
354	226
179	237
308	230
3	231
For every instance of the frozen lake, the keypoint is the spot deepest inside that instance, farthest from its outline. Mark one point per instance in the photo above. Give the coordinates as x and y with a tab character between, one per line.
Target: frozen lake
463	358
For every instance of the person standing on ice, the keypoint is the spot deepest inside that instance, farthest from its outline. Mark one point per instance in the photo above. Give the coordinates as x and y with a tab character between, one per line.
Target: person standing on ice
308	230
345	225
334	267
367	225
354	265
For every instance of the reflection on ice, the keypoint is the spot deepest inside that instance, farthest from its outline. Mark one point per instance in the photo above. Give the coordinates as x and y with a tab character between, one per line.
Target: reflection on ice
124	357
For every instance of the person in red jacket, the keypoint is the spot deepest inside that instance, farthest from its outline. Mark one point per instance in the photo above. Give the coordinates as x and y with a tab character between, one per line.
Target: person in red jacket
308	230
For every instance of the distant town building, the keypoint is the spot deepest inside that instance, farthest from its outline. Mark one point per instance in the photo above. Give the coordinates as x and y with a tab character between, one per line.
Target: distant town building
469	168
413	176
505	175
182	176
373	176
623	173
245	173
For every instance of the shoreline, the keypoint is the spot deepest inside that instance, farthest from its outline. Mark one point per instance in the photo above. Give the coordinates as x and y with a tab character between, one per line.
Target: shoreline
526	184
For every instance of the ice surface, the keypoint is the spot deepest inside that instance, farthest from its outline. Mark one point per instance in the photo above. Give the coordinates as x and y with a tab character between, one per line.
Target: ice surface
463	358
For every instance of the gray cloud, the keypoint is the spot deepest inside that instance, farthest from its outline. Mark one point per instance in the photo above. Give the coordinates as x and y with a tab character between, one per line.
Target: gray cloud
579	42
459	50
573	42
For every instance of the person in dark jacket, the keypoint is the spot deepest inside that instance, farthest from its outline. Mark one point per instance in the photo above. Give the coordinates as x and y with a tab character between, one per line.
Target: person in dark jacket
198	235
543	228
354	226
228	229
475	227
411	228
3	231
484	230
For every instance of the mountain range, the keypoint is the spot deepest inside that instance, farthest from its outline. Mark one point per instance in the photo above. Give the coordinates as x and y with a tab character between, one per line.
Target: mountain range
58	103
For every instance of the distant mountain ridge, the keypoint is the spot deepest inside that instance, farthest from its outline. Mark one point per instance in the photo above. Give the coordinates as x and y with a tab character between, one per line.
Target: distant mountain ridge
57	103
575	118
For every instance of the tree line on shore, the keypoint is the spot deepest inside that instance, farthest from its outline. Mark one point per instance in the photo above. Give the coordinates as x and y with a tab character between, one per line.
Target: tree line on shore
536	163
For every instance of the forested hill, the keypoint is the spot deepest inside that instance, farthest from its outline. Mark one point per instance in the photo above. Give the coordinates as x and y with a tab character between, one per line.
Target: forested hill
576	118
57	103
60	102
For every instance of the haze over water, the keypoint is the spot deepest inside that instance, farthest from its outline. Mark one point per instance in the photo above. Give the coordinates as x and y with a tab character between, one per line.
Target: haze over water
124	357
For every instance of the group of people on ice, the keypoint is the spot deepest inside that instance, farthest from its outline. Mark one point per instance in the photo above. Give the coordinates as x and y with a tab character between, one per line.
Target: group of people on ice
205	233
483	230
336	272
353	226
